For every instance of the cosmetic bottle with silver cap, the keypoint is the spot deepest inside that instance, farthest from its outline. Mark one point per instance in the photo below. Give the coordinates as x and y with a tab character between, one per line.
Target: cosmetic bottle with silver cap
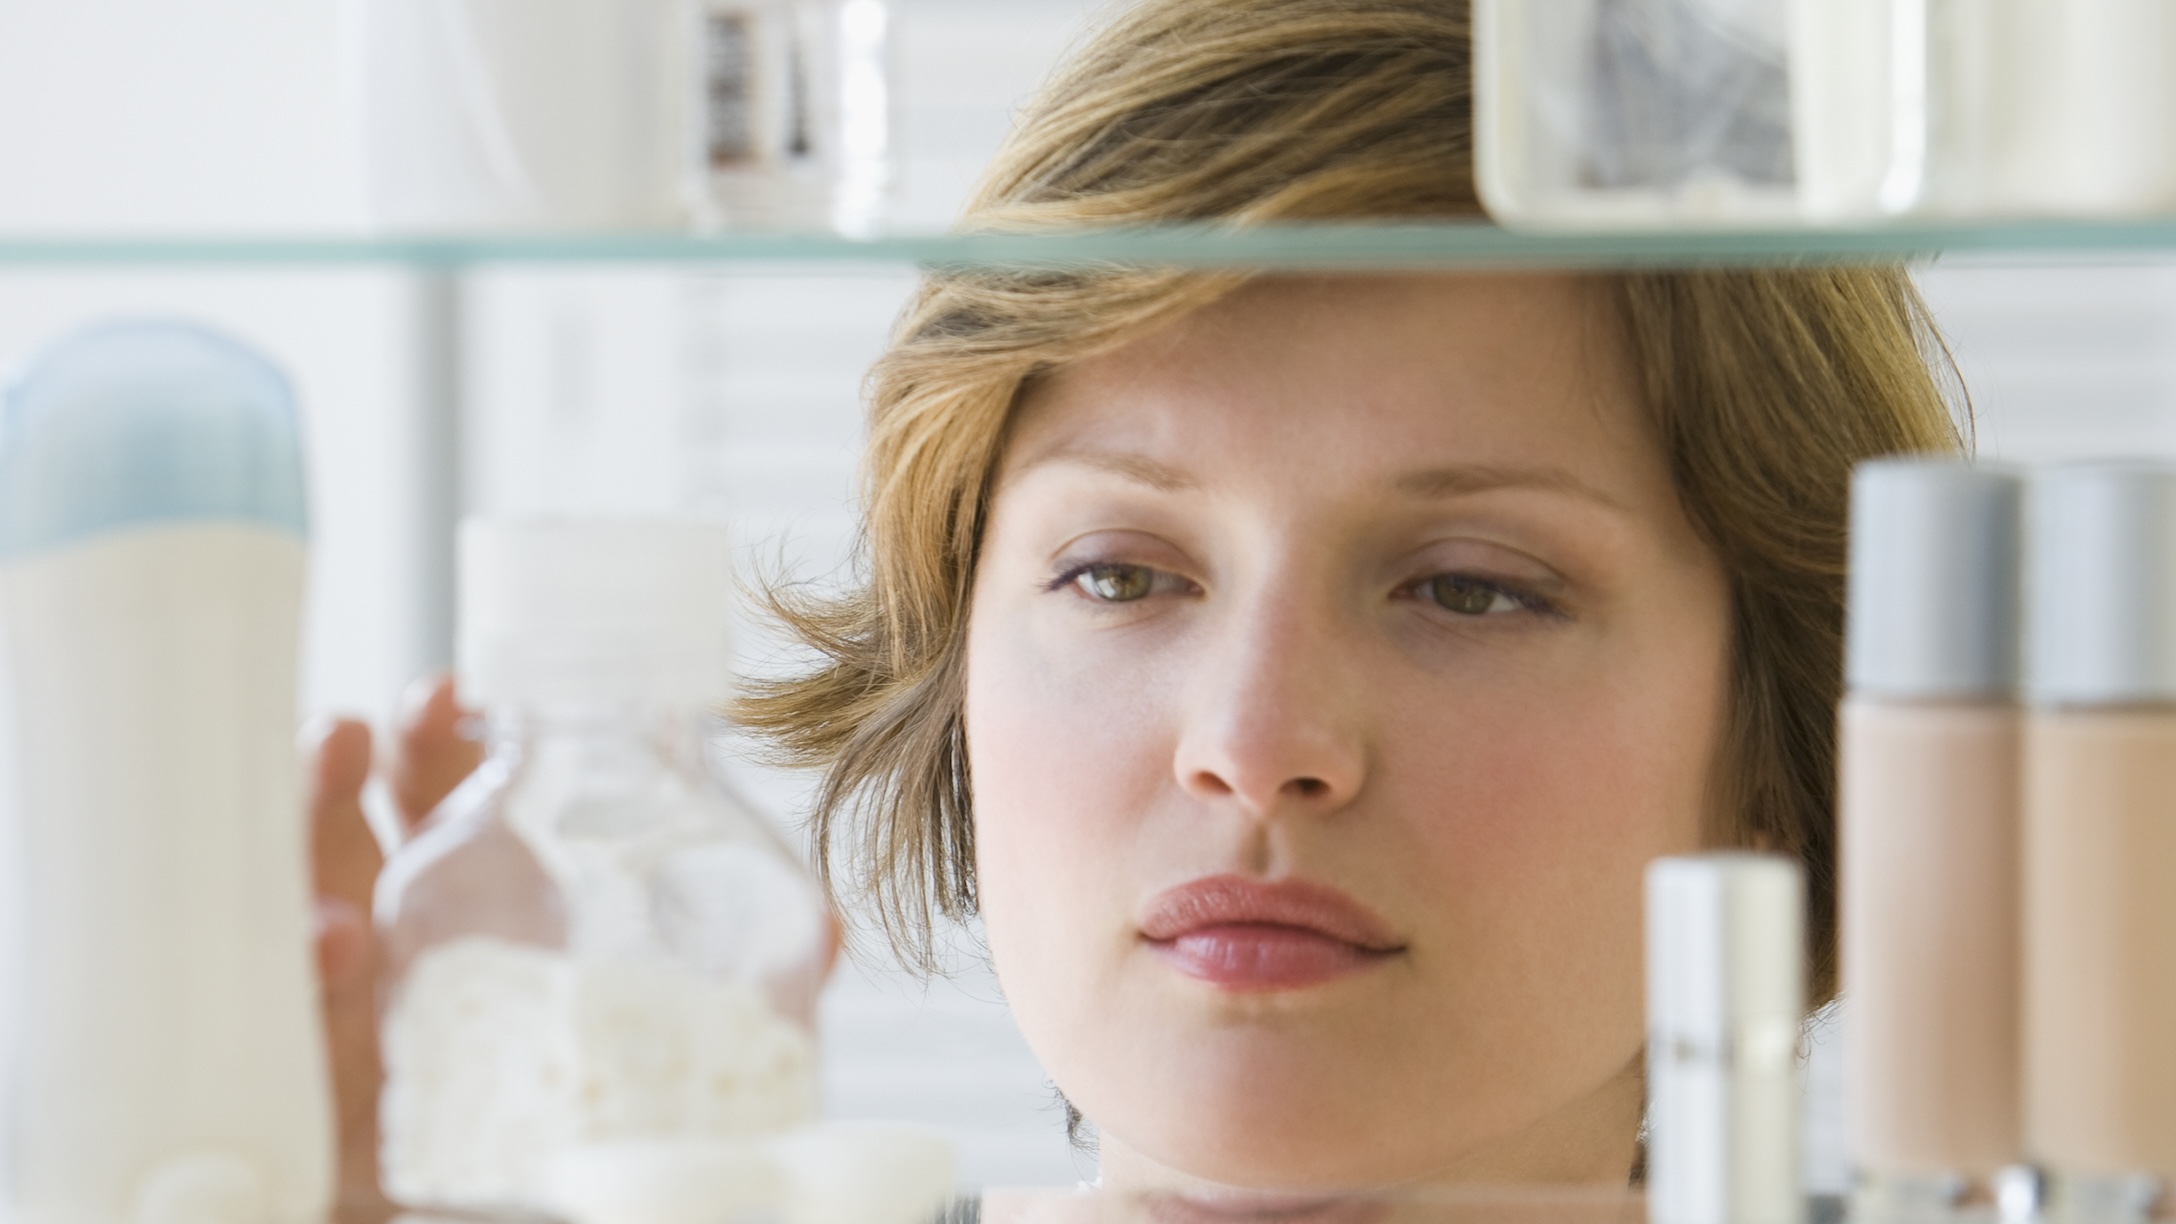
2099	845
1725	1003
1927	813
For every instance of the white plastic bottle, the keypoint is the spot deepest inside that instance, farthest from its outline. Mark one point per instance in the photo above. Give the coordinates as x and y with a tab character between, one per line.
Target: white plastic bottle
2087	109
1903	107
591	944
493	115
1725	1003
1983	107
161	1059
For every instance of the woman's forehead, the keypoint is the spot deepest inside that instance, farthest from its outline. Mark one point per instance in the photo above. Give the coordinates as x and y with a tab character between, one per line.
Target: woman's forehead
1368	377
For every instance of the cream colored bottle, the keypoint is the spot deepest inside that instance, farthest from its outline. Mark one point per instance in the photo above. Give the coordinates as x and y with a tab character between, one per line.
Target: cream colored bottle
1928	823
2100	838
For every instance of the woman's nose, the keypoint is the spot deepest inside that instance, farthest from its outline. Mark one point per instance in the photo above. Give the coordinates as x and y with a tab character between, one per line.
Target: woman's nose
1274	721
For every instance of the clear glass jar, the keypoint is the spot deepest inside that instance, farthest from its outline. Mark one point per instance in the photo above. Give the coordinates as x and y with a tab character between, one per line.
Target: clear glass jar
592	942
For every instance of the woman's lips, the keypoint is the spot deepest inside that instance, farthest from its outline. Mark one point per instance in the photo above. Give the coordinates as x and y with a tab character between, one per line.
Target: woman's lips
1261	956
1253	935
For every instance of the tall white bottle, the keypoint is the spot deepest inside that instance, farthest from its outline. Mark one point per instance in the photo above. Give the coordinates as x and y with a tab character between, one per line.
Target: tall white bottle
160	1051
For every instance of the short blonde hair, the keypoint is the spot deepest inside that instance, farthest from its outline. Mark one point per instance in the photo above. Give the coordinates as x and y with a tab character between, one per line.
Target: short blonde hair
1763	388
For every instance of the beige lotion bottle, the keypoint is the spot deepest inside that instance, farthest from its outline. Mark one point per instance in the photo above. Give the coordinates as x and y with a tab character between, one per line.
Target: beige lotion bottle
2100	838
1928	820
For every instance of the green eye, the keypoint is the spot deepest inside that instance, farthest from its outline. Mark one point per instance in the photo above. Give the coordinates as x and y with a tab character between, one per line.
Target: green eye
1117	583
1467	597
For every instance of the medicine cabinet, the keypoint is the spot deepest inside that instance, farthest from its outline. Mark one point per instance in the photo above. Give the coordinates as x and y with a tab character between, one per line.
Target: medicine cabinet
510	338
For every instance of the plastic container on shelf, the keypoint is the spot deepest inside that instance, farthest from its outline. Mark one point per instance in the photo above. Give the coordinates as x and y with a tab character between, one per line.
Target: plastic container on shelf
1634	112
2088	107
1628	113
518	114
538	115
1961	108
793	113
161	1060
591	944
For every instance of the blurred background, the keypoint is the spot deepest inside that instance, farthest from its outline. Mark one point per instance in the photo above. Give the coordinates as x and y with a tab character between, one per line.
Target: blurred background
732	391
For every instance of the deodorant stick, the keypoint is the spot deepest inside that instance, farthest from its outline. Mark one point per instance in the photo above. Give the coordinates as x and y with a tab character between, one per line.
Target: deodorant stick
161	1057
2100	836
1725	1002
1927	811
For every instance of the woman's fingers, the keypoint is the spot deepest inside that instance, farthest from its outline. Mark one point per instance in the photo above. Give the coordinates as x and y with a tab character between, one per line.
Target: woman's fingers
434	752
344	855
344	860
431	757
343	943
834	944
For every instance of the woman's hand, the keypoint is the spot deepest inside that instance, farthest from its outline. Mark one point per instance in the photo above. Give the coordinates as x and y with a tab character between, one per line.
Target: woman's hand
430	757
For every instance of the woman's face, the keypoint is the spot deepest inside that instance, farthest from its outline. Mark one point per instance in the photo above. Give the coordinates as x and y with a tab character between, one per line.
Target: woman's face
1339	657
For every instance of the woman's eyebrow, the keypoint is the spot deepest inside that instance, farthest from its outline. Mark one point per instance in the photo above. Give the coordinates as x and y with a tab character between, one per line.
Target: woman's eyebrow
1133	466
1467	479
1435	483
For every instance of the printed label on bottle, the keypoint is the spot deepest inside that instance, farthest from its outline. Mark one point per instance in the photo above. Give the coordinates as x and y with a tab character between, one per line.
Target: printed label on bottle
730	105
799	138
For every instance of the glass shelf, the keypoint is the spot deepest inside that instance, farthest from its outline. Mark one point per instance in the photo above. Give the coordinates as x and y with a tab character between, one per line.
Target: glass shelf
1311	246
1466	1205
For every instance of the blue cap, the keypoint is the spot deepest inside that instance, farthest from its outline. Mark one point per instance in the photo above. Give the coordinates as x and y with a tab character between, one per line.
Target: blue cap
135	424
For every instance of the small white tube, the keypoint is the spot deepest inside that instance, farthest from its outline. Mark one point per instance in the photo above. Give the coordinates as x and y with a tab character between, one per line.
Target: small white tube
1725	1002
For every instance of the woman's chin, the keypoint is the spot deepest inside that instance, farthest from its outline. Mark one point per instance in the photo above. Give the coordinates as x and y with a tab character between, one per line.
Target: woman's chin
1318	1166
1250	1207
1264	1148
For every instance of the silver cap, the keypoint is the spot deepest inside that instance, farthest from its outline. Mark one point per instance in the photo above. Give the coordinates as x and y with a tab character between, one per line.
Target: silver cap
2102	584
1934	587
1725	1003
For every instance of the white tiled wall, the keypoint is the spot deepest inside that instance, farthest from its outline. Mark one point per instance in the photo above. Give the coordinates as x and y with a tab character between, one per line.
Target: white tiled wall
2063	362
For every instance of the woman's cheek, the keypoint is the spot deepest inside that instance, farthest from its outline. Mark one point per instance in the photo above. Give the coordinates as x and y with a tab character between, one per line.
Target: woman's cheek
1530	810
1066	755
